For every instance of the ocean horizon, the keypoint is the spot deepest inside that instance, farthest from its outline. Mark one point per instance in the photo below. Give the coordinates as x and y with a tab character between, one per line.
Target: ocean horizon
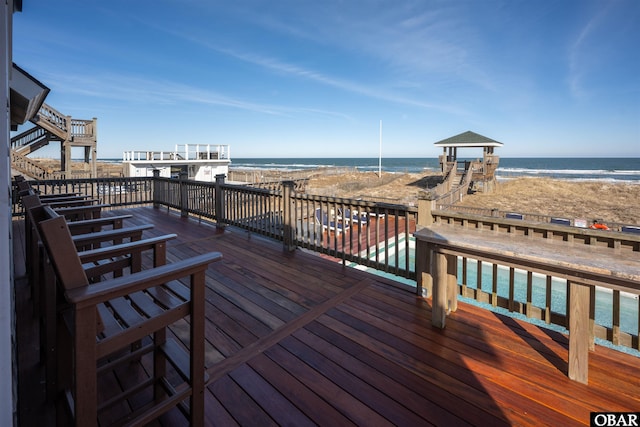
603	169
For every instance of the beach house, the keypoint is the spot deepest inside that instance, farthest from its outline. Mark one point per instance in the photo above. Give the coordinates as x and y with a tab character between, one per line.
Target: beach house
200	162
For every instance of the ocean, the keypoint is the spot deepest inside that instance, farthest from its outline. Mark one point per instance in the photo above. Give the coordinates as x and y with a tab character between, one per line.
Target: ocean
605	169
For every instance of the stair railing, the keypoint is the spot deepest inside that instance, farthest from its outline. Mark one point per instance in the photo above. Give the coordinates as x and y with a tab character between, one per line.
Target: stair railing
53	121
27	137
29	166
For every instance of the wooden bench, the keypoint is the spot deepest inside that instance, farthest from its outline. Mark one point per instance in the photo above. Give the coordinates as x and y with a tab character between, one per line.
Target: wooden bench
583	265
33	214
135	307
98	261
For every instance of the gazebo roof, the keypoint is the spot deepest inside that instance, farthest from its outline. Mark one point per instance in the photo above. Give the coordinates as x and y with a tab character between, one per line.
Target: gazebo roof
468	139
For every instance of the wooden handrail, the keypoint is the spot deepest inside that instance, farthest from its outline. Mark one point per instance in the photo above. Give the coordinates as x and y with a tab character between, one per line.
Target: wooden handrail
53	121
584	266
540	229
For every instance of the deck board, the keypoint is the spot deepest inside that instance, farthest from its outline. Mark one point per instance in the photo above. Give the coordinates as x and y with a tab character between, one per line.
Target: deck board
299	339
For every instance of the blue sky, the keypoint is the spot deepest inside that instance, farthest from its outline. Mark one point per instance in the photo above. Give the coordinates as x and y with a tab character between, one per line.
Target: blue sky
302	78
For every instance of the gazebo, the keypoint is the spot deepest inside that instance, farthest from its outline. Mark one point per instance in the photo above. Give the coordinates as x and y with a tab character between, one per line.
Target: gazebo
484	171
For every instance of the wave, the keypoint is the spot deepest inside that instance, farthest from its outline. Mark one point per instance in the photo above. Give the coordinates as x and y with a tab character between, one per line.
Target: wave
605	170
569	171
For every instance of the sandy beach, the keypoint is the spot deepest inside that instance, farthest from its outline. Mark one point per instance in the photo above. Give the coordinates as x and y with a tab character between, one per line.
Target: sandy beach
612	202
570	199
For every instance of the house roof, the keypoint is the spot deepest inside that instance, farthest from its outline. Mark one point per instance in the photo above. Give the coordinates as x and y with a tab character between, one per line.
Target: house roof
468	139
26	96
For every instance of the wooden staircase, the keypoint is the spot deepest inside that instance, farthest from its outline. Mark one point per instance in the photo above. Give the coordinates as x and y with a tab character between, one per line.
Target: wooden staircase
456	184
29	167
53	126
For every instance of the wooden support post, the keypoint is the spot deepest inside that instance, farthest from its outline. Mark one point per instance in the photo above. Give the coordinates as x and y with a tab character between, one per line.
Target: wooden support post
94	148
85	380
184	195
579	333
219	213
424	278
289	226
425	207
156	188
197	343
439	300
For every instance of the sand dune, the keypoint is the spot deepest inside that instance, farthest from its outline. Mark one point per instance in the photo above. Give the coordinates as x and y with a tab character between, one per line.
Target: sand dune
611	202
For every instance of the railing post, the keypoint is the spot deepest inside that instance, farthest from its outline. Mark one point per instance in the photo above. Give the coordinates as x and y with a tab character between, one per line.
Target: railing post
425	206
94	147
424	277
155	188
579	332
219	202
184	195
288	188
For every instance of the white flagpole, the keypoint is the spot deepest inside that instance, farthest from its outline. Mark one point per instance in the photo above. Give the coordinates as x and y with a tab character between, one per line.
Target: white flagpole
380	153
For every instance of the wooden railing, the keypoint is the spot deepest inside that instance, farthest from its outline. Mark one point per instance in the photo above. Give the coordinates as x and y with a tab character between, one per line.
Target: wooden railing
448	192
53	121
181	152
367	233
585	260
28	167
83	129
376	235
28	137
116	192
445	186
537	296
259	176
531	217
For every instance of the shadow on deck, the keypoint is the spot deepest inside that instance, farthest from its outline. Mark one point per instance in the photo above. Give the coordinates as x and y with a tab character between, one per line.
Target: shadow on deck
296	339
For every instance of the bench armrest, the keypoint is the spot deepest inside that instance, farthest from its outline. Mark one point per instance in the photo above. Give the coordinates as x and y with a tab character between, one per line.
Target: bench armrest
94	255
89	225
69	203
114	259
81	212
110	235
89	296
54	198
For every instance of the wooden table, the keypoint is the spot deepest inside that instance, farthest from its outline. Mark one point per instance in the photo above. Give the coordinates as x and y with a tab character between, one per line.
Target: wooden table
438	246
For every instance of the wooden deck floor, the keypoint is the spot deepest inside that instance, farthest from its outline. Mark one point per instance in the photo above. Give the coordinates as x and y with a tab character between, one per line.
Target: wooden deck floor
296	339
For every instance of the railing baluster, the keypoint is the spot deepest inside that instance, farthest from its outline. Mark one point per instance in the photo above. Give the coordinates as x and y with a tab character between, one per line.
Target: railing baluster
547	309
494	285
615	317
464	276
529	293
479	275
511	288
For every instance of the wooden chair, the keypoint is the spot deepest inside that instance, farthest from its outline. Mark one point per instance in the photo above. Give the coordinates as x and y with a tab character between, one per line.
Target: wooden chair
135	307
85	232
113	259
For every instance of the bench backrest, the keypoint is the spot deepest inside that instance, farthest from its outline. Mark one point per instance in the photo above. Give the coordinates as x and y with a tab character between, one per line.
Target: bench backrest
61	249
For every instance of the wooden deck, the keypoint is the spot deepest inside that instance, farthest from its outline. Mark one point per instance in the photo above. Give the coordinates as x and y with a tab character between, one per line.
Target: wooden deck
296	339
